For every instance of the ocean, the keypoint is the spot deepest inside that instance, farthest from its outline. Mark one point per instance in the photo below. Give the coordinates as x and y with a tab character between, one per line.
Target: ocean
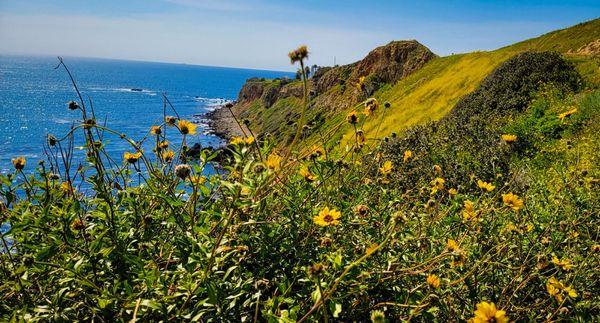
127	94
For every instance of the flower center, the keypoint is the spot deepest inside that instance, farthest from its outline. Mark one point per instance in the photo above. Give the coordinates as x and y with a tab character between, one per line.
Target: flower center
328	218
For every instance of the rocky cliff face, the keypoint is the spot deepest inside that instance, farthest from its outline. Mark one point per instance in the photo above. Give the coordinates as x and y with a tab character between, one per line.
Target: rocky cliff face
385	64
273	106
252	90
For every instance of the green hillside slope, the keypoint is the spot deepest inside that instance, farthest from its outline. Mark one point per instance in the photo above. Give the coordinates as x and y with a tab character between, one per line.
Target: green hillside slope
432	91
426	94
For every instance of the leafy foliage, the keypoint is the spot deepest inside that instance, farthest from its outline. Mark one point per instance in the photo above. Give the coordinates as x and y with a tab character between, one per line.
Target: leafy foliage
308	233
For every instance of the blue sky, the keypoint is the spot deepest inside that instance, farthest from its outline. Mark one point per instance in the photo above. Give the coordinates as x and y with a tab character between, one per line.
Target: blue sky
259	33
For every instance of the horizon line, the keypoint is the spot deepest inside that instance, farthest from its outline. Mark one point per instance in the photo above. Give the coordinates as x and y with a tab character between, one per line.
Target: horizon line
16	54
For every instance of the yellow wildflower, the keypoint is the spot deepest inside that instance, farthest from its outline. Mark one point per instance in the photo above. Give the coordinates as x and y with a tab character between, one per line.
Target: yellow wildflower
274	161
437	169
19	163
437	185
236	140
386	168
377	316
509	138
168	155
66	187
485	185
197	180
360	83
567	113
469	211
308	176
553	289
132	157
433	281
186	127
407	155
565	263
452	192
156	130
163	144
487	312
249	140
452	245
327	217
513	201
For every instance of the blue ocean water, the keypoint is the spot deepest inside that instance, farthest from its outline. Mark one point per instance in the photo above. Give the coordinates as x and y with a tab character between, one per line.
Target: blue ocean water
33	97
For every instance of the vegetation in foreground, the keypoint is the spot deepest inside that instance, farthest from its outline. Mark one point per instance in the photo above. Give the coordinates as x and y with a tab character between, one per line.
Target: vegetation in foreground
484	216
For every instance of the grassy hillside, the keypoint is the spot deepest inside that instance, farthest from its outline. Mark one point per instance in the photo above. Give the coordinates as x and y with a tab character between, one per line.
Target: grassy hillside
425	95
429	93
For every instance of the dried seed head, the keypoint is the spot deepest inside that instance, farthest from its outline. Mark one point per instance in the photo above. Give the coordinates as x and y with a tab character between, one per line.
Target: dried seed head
77	225
170	120
299	54
316	270
52	140
87	124
183	171
19	163
73	105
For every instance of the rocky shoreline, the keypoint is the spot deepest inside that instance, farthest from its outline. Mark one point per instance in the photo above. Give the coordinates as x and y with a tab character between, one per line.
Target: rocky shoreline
222	124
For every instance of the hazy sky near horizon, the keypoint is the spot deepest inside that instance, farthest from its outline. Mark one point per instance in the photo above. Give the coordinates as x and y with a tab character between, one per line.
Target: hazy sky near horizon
259	33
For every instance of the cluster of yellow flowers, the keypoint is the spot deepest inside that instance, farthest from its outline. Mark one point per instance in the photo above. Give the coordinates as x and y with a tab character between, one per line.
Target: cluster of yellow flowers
385	170
565	263
558	290
361	83
197	179
485	186
469	213
239	140
168	155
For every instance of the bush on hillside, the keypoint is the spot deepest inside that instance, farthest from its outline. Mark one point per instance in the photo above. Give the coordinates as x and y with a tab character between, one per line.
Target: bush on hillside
469	139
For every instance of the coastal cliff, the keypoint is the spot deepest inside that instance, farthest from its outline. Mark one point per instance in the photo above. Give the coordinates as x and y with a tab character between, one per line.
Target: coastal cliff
272	106
420	87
